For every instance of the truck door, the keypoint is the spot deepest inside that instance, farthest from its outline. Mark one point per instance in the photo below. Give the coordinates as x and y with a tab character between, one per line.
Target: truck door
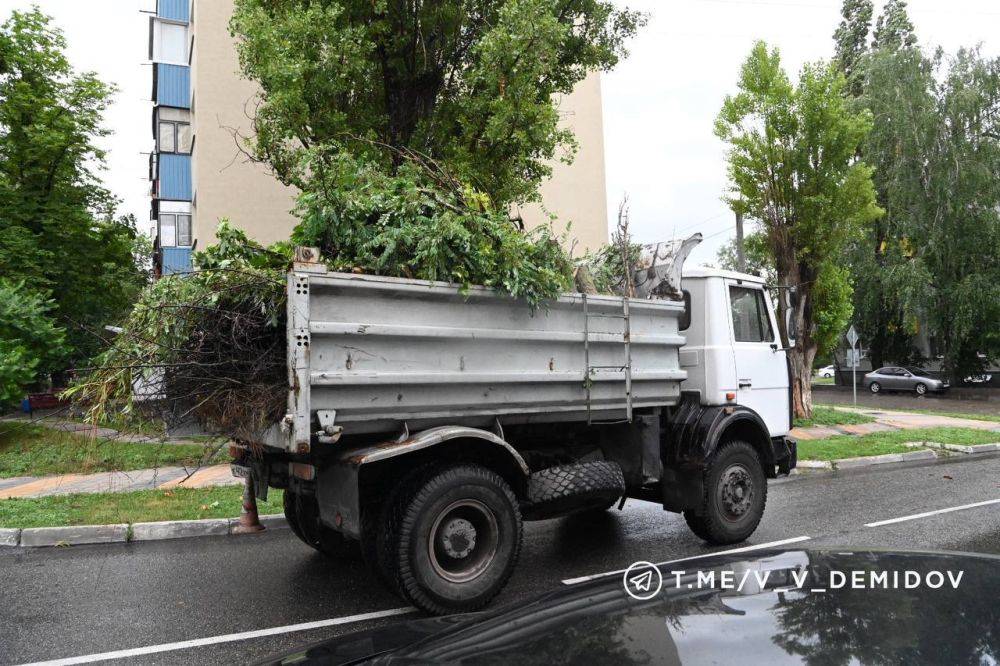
761	372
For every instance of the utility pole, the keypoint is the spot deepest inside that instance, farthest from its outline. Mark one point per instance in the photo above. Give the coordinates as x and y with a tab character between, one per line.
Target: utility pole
741	262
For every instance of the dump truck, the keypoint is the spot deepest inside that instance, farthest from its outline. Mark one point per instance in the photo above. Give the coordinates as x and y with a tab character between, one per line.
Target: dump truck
426	421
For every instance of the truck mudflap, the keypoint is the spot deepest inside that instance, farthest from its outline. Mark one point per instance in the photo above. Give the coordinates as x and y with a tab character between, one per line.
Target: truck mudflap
695	432
786	453
340	487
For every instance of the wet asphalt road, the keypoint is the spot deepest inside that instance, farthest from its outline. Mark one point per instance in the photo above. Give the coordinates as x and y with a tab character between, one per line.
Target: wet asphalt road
944	402
59	603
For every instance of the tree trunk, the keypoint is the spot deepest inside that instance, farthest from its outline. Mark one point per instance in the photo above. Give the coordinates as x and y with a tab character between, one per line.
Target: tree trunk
802	354
802	362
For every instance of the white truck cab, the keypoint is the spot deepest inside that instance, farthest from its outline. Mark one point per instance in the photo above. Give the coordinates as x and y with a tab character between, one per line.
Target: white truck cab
734	359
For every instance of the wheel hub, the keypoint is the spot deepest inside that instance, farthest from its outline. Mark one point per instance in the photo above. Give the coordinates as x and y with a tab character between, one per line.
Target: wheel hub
736	491
458	538
463	541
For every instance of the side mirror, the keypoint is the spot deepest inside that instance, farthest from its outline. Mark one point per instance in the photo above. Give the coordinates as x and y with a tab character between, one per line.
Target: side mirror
791	298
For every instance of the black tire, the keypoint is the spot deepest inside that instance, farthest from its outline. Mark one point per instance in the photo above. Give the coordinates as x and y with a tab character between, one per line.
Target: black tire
920	388
734	497
451	539
874	387
302	514
568	489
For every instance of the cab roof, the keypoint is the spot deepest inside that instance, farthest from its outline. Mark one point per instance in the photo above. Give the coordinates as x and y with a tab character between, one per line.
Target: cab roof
709	272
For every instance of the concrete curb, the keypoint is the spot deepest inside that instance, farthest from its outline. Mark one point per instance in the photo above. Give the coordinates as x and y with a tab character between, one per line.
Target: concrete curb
31	537
868	461
958	448
816	466
76	535
10	537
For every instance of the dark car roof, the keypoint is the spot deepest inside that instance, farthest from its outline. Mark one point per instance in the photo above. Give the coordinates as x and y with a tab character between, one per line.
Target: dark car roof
781	622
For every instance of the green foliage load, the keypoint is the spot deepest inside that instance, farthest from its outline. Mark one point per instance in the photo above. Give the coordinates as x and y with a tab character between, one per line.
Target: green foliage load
415	226
58	232
206	347
29	339
210	347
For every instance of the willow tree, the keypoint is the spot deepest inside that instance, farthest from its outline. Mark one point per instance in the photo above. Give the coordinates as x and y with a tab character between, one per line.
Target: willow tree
792	162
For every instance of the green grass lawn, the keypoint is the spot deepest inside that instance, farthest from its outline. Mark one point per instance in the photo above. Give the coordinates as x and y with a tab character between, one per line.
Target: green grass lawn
827	381
955	415
845	446
994	418
141	506
33	450
828	416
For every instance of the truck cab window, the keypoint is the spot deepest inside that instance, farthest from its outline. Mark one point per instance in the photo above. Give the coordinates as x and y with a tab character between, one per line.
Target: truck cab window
751	322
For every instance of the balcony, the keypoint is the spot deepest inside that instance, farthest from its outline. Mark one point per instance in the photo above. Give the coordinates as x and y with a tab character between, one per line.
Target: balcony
174	177
175	10
176	260
172	85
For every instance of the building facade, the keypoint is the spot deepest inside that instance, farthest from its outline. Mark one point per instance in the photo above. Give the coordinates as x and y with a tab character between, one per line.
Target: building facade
199	175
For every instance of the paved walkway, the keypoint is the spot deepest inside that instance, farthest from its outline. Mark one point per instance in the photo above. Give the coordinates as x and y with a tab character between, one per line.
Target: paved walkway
119	482
891	421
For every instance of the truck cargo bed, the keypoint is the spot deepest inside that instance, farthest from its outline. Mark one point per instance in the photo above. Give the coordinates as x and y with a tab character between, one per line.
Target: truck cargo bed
379	352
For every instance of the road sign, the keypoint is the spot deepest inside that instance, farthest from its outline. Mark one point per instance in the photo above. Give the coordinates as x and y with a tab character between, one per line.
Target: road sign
853	361
852	336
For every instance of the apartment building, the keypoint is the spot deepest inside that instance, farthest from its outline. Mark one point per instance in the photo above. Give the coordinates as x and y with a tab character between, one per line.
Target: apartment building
199	175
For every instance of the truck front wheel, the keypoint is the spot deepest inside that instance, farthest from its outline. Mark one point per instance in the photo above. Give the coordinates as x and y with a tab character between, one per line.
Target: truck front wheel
452	539
734	497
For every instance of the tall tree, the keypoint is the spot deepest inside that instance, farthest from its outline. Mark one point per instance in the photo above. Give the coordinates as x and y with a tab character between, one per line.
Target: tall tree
469	85
792	161
851	39
893	29
955	212
58	231
898	91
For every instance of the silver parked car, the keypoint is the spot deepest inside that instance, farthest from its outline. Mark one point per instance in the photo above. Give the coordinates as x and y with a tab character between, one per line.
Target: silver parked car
895	378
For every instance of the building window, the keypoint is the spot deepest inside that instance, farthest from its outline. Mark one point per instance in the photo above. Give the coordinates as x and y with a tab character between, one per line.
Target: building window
173	130
175	230
170	43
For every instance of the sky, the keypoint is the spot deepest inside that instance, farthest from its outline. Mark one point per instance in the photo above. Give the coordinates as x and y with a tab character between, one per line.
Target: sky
659	104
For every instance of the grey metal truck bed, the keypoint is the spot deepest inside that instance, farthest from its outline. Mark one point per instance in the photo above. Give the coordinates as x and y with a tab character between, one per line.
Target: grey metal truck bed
376	353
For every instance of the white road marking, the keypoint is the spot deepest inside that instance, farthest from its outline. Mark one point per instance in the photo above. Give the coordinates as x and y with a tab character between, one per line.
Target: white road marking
931	513
227	638
743	549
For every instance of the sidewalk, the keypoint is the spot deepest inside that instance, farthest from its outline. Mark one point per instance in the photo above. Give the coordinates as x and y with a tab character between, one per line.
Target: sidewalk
143	479
220	475
890	421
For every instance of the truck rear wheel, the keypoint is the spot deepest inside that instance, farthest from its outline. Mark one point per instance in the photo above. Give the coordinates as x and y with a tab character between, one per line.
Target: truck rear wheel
302	514
452	539
734	496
